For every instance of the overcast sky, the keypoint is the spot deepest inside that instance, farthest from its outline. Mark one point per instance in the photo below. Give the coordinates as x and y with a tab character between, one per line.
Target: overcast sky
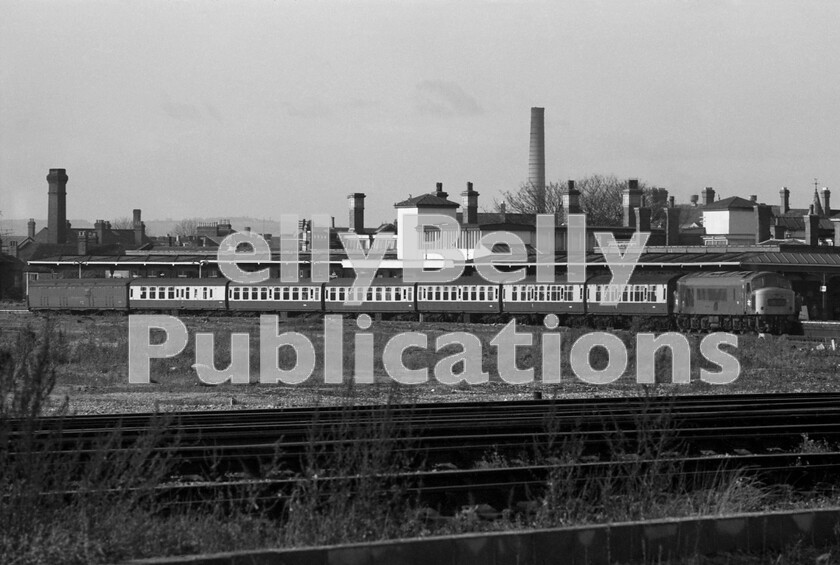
223	108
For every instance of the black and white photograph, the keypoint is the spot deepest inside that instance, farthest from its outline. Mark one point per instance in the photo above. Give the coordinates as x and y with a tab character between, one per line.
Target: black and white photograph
397	282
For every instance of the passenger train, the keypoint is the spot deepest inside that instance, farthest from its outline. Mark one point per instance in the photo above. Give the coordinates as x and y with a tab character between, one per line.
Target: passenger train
706	301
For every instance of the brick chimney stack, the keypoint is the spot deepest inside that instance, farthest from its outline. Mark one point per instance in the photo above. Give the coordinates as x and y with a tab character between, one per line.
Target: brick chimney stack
708	196
139	229
763	216
439	191
632	198
469	205
99	226
356	201
57	213
642	219
571	199
30	228
826	202
784	196
672	226
82	244
812	230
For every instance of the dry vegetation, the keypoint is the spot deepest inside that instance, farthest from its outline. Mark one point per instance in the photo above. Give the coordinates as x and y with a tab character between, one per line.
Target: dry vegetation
85	359
93	368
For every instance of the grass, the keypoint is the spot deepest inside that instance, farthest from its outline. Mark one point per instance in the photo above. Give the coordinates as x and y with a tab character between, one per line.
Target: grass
95	366
342	496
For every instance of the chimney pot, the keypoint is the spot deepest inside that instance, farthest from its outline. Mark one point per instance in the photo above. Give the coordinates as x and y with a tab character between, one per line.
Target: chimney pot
753	198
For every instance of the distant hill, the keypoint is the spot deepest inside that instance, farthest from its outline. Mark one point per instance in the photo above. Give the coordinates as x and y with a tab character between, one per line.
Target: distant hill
153	227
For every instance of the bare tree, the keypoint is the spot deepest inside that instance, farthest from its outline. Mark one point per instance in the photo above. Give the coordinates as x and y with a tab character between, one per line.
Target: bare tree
122	223
600	198
529	199
186	228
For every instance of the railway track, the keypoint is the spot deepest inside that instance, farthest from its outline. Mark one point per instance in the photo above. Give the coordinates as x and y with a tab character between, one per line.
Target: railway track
259	455
459	434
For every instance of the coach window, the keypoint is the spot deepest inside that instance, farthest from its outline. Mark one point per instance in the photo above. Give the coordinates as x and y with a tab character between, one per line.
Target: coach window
171	293
143	293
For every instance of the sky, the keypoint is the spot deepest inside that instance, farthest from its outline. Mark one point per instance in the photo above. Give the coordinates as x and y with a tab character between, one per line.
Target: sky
262	108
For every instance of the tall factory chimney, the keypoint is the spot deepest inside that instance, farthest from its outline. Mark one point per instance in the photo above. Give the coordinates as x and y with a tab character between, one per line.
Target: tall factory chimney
356	202
536	156
57	213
